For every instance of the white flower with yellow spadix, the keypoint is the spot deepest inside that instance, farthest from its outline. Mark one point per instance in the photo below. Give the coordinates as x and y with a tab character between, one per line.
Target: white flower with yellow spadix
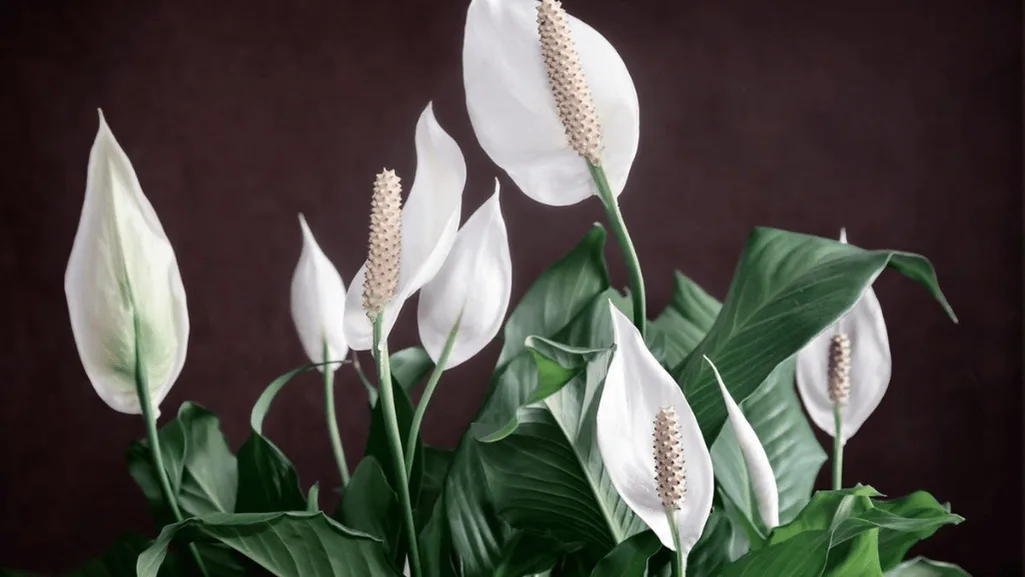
124	290
668	483
469	296
544	89
759	470
846	367
318	303
425	227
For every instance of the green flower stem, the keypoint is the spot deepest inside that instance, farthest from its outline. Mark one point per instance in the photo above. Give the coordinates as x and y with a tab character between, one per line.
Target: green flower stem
680	558
837	448
618	225
432	383
332	420
394	438
142	388
360	373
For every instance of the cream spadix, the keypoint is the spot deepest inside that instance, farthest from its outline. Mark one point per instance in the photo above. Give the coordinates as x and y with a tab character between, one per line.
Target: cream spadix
318	302
543	89
640	403
471	289
860	336
125	294
430	218
763	480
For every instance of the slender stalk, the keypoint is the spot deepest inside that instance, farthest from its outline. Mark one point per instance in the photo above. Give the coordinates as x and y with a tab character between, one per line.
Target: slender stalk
395	440
680	558
837	448
153	439
633	265
332	421
360	373
432	383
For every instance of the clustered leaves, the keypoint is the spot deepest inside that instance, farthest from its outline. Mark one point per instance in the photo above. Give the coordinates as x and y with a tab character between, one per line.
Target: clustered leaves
606	445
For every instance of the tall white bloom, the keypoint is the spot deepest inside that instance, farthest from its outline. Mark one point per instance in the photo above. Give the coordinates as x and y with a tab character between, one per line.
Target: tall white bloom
471	289
318	302
123	278
847	363
543	89
670	477
763	480
430	219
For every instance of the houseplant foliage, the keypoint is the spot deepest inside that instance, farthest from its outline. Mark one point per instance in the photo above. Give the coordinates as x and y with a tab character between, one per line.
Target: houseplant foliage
611	441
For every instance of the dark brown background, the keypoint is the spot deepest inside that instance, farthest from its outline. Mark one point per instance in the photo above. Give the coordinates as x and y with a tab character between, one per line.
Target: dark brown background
899	120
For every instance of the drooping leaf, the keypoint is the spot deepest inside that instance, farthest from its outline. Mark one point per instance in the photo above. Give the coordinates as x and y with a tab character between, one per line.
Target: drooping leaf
921	506
479	537
198	461
286	544
787	288
267	481
262	405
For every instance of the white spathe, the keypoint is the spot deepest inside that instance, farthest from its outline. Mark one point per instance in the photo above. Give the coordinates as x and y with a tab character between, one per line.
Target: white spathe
870	367
430	218
763	480
512	109
122	273
471	289
318	303
636	387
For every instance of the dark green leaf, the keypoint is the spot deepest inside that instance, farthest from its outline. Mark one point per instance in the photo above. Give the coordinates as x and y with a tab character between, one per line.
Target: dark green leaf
199	463
787	288
906	521
629	558
313	499
371	506
557	295
410	366
267	481
478	535
720	543
262	405
922	567
286	544
379	447
681	326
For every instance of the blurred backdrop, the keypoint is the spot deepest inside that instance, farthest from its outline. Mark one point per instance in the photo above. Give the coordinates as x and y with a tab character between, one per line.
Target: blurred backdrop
900	120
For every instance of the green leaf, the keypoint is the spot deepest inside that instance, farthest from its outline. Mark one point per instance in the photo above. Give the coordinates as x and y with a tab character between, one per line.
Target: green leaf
929	515
267	481
545	468
681	326
922	567
629	558
379	447
720	543
262	405
198	461
787	288
436	464
371	506
479	537
409	366
286	544
313	499
557	295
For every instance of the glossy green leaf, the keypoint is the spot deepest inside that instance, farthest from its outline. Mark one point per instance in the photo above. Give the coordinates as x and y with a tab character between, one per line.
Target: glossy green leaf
922	567
263	403
928	514
681	326
557	295
436	553
787	288
720	543
199	463
285	544
371	506
545	468
479	537
379	447
313	499
629	558
267	481
409	366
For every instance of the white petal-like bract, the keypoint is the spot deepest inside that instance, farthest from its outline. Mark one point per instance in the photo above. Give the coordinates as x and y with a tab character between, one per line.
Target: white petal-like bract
318	303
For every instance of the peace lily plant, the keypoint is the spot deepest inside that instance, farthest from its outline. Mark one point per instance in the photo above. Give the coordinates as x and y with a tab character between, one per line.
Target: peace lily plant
610	442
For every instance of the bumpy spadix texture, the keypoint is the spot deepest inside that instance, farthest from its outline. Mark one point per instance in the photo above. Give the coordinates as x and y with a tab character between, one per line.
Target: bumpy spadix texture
636	390
869	374
569	86
839	381
430	218
519	123
123	271
670	471
318	303
472	288
385	251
